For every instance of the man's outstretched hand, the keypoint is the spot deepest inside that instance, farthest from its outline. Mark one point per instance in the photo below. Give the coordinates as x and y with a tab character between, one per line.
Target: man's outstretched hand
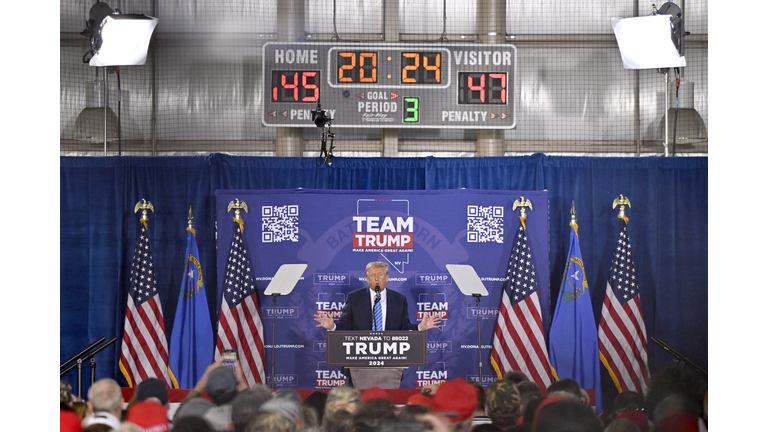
324	320
429	322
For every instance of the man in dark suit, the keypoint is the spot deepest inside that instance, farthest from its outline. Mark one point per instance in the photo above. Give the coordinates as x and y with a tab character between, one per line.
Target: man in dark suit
358	311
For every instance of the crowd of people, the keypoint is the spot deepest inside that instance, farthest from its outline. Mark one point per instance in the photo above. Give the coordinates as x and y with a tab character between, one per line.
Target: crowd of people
222	401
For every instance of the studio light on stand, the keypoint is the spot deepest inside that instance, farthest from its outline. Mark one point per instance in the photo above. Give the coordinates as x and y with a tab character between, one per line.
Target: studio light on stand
653	42
116	39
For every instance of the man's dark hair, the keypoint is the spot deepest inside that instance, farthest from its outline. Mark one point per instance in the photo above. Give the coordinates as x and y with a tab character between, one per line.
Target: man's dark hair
98	427
530	410
674	379
246	404
529	391
628	399
192	424
516	376
567	415
373	414
221	397
567	385
408	413
481	396
343	421
316	401
486	427
675	404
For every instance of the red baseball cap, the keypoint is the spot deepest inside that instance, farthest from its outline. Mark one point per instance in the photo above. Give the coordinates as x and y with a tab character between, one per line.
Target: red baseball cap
420	399
150	416
455	400
375	393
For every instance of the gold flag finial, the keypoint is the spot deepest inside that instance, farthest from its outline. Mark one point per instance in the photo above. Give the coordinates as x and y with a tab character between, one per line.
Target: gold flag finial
237	205
573	213
143	205
190	227
621	201
572	223
522	203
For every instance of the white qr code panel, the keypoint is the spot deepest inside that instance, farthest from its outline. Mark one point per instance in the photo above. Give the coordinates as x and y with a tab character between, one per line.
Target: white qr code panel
279	223
485	224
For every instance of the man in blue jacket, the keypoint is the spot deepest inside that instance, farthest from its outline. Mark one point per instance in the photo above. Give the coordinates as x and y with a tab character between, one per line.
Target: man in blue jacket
360	309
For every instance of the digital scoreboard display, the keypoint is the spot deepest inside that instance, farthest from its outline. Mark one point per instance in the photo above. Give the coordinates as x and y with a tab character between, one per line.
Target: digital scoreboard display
467	86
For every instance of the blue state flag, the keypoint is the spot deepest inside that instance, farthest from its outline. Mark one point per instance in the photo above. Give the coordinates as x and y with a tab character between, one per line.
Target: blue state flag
192	334
573	349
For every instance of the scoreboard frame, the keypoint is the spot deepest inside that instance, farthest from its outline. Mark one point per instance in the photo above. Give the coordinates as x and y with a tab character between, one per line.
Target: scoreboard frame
390	85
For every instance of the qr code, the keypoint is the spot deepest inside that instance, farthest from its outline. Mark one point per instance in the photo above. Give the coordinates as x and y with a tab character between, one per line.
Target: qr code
485	224
279	223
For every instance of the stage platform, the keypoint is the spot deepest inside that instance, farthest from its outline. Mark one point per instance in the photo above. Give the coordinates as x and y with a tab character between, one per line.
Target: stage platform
399	396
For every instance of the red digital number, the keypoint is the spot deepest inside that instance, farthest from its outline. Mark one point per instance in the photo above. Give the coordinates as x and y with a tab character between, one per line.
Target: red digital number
480	88
313	87
503	78
293	86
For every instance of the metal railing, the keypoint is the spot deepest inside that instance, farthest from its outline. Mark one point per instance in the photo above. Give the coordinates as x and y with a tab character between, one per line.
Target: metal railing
679	356
78	359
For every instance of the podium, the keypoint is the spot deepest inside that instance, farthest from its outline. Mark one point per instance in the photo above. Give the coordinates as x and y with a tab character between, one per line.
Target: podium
376	358
382	377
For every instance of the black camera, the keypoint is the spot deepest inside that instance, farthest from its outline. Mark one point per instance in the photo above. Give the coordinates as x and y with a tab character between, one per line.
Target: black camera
320	116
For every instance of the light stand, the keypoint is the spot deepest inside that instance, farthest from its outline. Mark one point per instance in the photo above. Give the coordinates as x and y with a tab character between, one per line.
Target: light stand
469	284
653	42
322	119
116	39
479	347
282	283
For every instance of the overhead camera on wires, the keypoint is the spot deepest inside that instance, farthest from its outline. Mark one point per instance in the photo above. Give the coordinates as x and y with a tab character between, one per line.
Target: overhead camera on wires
320	116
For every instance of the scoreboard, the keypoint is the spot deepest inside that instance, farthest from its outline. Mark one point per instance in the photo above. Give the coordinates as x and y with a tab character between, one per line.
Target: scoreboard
386	85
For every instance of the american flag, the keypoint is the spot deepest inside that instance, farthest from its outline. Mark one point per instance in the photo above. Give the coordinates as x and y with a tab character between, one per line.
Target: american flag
240	327
144	350
518	343
621	336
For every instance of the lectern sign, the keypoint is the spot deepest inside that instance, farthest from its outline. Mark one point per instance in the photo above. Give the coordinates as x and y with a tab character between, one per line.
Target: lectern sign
376	349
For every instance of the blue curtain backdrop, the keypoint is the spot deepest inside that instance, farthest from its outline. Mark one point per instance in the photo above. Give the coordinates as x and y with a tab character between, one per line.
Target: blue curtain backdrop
667	226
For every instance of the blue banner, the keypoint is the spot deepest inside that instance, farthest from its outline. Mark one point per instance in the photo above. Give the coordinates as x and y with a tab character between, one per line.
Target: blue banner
336	233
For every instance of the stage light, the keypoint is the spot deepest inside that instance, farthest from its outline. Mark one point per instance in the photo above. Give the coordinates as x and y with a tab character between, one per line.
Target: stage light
649	42
117	39
656	42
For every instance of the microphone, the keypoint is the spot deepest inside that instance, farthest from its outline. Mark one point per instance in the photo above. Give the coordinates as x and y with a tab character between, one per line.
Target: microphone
376	300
